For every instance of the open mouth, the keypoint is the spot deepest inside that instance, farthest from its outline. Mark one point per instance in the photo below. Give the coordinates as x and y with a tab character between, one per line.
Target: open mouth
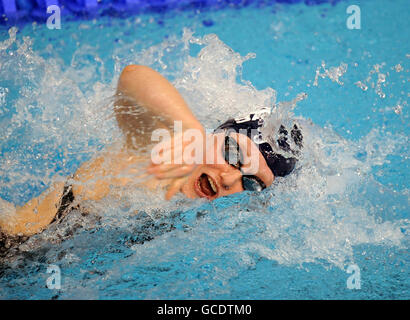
206	186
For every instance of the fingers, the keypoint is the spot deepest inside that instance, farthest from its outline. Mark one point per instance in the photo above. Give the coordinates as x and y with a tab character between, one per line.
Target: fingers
156	168
175	187
169	153
176	157
169	149
170	171
170	163
173	151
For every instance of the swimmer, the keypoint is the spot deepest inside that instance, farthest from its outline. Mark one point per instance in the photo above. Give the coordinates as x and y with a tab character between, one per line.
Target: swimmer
142	87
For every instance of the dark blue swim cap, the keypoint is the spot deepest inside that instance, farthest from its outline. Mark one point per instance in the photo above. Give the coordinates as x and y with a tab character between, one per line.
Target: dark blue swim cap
279	164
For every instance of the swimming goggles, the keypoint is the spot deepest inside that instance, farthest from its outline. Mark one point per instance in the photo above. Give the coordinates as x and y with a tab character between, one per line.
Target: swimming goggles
233	156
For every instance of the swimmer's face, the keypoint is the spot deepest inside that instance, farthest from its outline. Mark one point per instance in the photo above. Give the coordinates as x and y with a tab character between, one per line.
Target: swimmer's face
218	178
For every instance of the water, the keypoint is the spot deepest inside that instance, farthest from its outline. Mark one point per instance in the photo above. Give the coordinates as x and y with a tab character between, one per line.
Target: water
346	203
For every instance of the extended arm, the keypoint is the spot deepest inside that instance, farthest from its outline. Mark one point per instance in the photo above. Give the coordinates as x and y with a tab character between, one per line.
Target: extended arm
152	91
90	182
137	85
141	86
34	216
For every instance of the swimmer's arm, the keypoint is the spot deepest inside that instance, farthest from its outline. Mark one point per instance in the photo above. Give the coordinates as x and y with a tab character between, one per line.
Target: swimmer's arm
38	213
34	216
90	182
152	91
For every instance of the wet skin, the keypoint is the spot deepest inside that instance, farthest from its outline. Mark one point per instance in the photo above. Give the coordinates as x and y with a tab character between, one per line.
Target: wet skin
219	178
115	167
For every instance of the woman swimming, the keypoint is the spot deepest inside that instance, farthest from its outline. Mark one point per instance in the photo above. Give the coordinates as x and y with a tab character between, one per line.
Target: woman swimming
237	162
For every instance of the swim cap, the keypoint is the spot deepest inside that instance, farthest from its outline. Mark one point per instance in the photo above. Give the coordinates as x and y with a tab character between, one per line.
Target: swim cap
279	164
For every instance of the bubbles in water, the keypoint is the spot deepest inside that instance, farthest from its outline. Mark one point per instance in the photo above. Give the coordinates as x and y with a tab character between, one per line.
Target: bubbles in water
361	85
3	95
54	118
8	42
398	109
329	205
210	83
381	79
333	73
398	68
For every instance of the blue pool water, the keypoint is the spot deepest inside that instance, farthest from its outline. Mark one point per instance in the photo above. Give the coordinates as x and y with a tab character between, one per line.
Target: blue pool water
346	204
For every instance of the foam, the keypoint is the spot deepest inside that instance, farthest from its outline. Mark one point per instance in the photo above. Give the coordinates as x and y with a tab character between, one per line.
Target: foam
314	215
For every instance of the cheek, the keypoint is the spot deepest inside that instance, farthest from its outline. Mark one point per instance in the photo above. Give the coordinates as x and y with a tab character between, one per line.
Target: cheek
233	189
189	187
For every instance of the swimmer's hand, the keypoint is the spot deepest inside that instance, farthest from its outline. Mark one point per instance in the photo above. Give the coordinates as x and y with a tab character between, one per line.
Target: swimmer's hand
176	158
175	187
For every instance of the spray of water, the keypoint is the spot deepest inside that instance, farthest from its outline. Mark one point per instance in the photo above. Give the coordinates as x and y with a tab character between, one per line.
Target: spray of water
54	117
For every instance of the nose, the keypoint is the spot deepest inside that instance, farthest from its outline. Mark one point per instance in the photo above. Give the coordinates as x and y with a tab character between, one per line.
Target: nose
230	178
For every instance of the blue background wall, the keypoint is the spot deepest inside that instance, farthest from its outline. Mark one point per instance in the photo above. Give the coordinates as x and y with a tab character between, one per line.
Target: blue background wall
26	10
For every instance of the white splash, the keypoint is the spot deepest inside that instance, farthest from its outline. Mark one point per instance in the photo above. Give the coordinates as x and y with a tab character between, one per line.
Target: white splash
316	214
333	73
